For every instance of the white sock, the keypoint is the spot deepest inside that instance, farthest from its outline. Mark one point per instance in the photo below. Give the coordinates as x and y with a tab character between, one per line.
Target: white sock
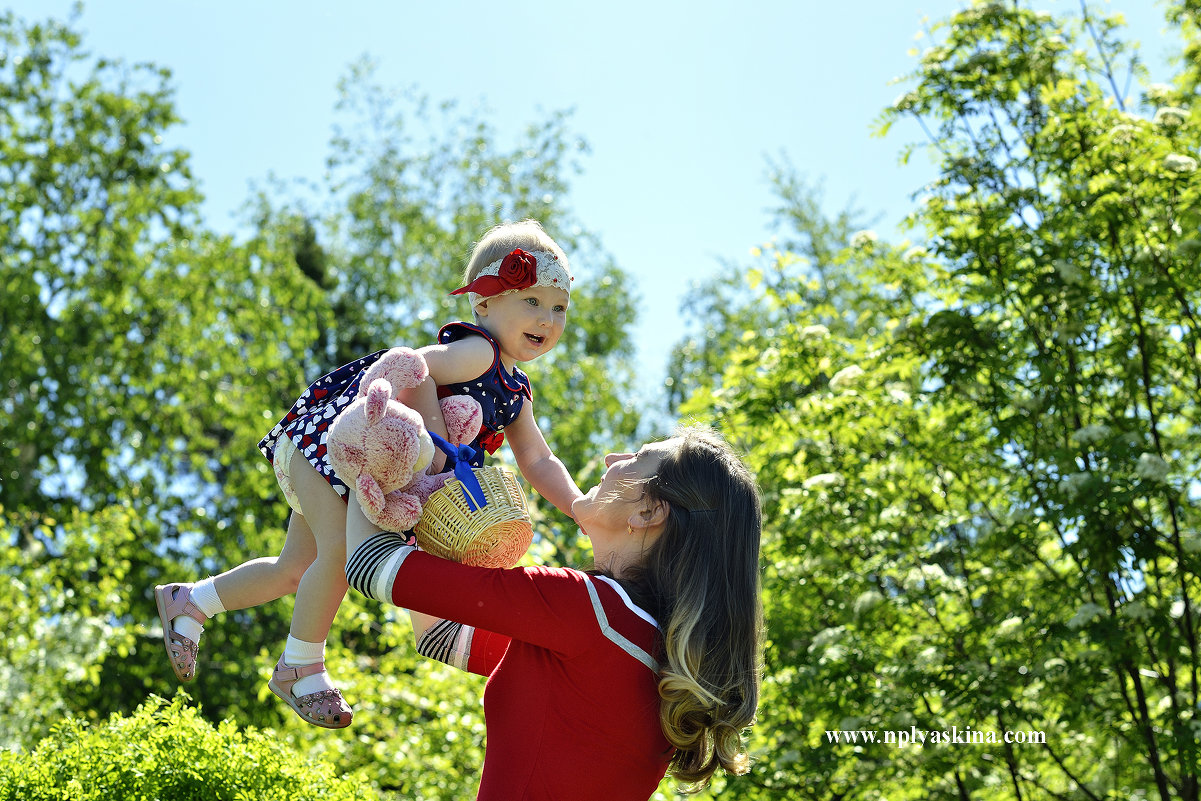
204	596
299	652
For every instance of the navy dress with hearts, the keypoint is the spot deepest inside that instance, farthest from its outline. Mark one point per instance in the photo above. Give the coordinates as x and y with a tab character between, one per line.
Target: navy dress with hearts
501	394
307	423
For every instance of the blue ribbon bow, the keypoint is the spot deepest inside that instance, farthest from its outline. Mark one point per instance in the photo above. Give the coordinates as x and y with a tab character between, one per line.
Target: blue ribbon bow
460	456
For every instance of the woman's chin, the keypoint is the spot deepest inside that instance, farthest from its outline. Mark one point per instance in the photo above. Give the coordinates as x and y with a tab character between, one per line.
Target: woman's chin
581	503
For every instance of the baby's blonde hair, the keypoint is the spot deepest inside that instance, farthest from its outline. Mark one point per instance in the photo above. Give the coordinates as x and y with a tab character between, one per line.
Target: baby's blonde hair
499	241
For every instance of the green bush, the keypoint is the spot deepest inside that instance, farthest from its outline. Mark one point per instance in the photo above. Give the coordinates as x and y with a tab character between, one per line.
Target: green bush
166	750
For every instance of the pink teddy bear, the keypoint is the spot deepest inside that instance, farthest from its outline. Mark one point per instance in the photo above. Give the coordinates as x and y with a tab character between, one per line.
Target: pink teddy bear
381	449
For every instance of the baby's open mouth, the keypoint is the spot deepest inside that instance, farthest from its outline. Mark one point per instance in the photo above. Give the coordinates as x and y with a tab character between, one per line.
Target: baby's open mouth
537	340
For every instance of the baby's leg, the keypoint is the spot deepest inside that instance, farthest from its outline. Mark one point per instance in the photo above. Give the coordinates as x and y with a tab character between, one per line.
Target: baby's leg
300	678
184	608
261	580
323	584
358	528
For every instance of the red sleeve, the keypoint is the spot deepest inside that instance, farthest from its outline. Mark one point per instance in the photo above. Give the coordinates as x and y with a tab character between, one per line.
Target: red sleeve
539	605
487	647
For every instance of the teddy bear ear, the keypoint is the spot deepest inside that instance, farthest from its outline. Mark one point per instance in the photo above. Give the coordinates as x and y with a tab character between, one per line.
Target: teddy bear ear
378	395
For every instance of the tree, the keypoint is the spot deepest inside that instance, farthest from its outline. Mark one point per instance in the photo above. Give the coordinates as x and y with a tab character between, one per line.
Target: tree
1063	215
94	197
146	355
724	310
982	496
132	342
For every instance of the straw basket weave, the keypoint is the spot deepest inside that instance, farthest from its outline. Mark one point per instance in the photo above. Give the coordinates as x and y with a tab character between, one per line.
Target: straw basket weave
495	535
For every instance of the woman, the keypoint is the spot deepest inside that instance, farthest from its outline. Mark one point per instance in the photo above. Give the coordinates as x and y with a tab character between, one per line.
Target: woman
600	682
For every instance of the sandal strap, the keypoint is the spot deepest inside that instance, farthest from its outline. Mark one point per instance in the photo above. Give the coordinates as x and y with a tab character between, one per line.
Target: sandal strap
179	602
193	611
178	638
284	672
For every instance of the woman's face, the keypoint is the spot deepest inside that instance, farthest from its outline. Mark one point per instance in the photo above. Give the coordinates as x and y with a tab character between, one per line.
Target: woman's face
613	504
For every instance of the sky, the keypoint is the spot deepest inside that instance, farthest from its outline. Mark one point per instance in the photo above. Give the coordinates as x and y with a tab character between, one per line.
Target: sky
683	104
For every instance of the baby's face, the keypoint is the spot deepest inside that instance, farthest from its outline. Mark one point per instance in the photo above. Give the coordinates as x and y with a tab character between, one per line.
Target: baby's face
527	323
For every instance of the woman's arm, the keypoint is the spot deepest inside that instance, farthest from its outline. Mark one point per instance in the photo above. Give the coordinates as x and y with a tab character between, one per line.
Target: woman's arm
539	605
499	604
464	647
422	622
536	462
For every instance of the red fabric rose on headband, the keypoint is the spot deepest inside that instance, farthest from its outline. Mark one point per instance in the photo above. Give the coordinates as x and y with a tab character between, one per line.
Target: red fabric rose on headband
518	270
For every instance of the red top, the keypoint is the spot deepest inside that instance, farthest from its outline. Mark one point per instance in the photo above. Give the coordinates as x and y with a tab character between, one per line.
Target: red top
571	705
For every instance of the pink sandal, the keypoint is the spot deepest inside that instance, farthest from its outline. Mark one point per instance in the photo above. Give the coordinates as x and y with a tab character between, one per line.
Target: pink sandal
325	708
174	600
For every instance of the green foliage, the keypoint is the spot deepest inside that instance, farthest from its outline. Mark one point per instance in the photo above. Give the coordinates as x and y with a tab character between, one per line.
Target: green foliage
168	750
981	493
88	181
136	346
145	356
724	311
63	617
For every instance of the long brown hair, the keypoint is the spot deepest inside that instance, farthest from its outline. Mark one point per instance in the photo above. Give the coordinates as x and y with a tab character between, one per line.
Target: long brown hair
700	579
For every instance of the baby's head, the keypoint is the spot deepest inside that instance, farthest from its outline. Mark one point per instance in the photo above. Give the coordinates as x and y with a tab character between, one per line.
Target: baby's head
488	256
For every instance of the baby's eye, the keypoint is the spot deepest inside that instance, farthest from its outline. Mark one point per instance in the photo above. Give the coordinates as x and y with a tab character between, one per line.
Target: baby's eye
532	301
561	309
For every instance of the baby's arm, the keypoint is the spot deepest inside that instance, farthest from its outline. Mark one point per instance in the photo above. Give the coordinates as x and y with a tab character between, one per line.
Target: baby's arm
536	462
452	363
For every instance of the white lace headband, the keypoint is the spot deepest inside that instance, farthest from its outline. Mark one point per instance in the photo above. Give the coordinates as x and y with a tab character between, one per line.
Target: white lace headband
520	269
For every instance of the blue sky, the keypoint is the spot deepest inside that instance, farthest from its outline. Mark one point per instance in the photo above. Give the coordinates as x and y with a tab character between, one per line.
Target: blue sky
682	104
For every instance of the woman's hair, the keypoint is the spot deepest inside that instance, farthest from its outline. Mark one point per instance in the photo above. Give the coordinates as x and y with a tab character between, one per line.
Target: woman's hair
701	580
499	241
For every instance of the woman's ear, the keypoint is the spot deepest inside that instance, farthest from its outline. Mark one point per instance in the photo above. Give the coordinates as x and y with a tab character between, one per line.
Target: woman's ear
652	517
